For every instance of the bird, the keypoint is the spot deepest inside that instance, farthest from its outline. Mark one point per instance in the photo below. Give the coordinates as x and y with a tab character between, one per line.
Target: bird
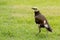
41	20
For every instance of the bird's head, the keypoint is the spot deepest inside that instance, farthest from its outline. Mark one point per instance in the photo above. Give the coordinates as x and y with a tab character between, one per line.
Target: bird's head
35	8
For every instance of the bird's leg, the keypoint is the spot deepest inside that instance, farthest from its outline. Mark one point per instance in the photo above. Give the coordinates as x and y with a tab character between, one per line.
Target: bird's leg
39	29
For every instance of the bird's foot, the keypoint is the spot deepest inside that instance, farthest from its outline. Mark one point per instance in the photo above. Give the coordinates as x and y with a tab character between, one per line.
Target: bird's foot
37	34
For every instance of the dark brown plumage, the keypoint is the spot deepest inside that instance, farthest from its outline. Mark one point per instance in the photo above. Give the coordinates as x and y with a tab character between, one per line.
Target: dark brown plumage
41	20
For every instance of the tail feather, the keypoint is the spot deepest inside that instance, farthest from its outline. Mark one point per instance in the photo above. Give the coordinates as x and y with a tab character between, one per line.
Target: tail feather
49	29
47	26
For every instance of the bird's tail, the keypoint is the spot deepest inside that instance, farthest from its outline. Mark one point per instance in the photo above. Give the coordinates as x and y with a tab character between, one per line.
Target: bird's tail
49	29
47	26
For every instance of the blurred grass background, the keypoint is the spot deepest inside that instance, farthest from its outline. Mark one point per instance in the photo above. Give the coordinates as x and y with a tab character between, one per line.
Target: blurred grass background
17	19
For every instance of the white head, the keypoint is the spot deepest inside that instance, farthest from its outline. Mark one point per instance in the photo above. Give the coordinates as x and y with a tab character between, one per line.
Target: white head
35	8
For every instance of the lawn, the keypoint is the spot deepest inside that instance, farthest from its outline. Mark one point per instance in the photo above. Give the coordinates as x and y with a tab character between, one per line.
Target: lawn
17	19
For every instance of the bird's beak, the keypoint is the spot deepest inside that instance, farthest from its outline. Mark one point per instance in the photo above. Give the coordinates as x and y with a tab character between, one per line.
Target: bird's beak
33	8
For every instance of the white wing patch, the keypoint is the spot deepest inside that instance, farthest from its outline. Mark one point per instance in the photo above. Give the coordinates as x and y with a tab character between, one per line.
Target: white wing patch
44	21
46	25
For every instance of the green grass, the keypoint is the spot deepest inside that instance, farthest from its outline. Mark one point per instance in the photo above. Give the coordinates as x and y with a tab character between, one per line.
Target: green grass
17	19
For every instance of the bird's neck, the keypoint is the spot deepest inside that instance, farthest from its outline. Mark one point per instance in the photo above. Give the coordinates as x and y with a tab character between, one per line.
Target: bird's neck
37	13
